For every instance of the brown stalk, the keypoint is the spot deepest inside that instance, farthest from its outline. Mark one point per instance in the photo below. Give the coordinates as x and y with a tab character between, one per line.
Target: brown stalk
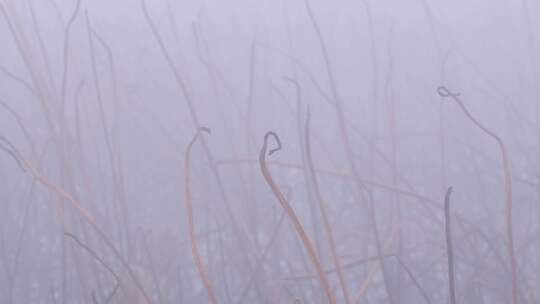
324	212
23	46
313	210
189	206
444	92
239	234
360	187
41	47
292	215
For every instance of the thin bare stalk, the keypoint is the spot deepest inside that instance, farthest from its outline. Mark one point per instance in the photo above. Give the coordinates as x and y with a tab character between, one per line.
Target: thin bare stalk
19	80
292	215
324	212
42	48
449	247
21	125
444	92
100	260
108	140
189	206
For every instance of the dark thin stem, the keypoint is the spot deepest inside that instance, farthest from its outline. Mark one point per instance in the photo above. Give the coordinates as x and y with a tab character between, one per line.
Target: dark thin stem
444	92
101	261
449	247
337	101
93	253
8	147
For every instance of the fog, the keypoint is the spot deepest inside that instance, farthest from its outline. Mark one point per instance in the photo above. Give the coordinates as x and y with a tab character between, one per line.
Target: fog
157	151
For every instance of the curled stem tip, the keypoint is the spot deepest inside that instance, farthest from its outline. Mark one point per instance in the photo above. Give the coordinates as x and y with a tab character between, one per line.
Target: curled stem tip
276	138
445	92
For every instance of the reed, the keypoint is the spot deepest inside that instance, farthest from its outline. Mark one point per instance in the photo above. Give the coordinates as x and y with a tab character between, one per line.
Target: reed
449	247
444	92
191	225
292	215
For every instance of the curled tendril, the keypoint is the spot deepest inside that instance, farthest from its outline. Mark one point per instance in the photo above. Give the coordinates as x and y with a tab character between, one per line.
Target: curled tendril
276	138
445	92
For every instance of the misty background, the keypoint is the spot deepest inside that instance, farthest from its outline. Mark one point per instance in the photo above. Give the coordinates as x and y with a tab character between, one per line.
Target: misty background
379	106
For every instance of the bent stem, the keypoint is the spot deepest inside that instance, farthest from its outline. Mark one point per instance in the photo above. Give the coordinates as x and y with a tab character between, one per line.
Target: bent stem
444	92
292	215
189	206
